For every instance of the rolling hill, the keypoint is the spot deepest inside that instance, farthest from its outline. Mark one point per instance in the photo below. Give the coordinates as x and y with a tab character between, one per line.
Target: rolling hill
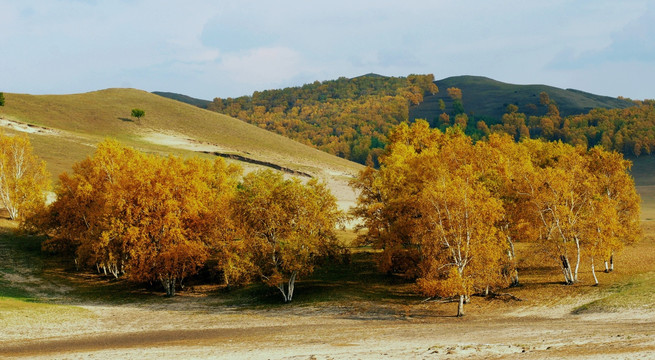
487	98
65	128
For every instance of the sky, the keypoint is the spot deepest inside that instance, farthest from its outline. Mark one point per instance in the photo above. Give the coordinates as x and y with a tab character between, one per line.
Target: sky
225	48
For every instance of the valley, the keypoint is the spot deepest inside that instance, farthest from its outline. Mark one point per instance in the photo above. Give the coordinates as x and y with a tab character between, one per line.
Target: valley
343	311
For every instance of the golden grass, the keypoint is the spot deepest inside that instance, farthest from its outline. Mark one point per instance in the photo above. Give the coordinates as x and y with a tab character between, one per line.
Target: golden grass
85	119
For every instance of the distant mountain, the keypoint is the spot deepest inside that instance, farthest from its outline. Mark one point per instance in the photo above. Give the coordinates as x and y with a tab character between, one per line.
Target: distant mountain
183	98
488	99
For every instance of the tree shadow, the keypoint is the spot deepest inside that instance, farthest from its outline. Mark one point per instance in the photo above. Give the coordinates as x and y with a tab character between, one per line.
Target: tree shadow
125	119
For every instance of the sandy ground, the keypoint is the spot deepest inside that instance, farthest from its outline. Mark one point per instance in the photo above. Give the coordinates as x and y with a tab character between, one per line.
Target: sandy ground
192	329
26	128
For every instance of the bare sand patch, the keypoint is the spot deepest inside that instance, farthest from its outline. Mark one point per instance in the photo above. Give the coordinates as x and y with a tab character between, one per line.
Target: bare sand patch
179	141
26	128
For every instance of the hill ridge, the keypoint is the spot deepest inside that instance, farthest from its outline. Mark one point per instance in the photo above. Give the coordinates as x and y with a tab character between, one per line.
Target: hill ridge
488	98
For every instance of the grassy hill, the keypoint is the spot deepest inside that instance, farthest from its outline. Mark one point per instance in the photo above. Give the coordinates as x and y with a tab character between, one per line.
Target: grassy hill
65	128
488	98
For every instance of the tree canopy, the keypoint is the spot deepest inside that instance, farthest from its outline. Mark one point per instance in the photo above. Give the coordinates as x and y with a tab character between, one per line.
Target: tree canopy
288	226
351	118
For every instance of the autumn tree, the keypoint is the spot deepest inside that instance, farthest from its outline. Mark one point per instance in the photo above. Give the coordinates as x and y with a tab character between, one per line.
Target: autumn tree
288	225
461	247
148	218
454	93
558	189
23	177
442	105
508	163
387	199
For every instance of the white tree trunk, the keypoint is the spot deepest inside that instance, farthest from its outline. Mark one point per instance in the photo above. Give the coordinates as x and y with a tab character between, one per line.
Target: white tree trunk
460	306
577	262
593	271
287	289
566	269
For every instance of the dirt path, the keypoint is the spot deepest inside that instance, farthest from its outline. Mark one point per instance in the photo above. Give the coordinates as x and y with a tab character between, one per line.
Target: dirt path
307	333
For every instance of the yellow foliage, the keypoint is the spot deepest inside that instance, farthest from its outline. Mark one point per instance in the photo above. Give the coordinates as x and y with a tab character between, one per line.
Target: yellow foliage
24	180
146	217
287	225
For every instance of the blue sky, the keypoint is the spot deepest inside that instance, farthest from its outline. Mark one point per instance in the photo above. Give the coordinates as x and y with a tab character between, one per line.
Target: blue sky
210	49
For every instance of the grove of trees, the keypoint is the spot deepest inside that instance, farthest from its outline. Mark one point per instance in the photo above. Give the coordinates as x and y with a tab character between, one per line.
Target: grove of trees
448	211
162	219
630	131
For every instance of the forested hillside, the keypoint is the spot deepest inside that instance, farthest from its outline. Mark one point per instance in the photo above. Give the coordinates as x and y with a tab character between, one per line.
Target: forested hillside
630	131
350	118
345	117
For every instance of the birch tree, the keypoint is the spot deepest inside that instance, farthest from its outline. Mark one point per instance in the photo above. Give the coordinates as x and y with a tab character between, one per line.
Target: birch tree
23	177
288	226
462	248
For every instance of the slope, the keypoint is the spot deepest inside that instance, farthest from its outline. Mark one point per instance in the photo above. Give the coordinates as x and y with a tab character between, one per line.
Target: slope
65	128
488	98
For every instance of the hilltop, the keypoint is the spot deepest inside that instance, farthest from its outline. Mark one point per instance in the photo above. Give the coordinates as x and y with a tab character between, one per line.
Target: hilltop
488	99
483	97
65	128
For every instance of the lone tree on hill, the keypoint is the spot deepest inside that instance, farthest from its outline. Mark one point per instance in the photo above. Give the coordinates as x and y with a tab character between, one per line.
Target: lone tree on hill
2	99
138	113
